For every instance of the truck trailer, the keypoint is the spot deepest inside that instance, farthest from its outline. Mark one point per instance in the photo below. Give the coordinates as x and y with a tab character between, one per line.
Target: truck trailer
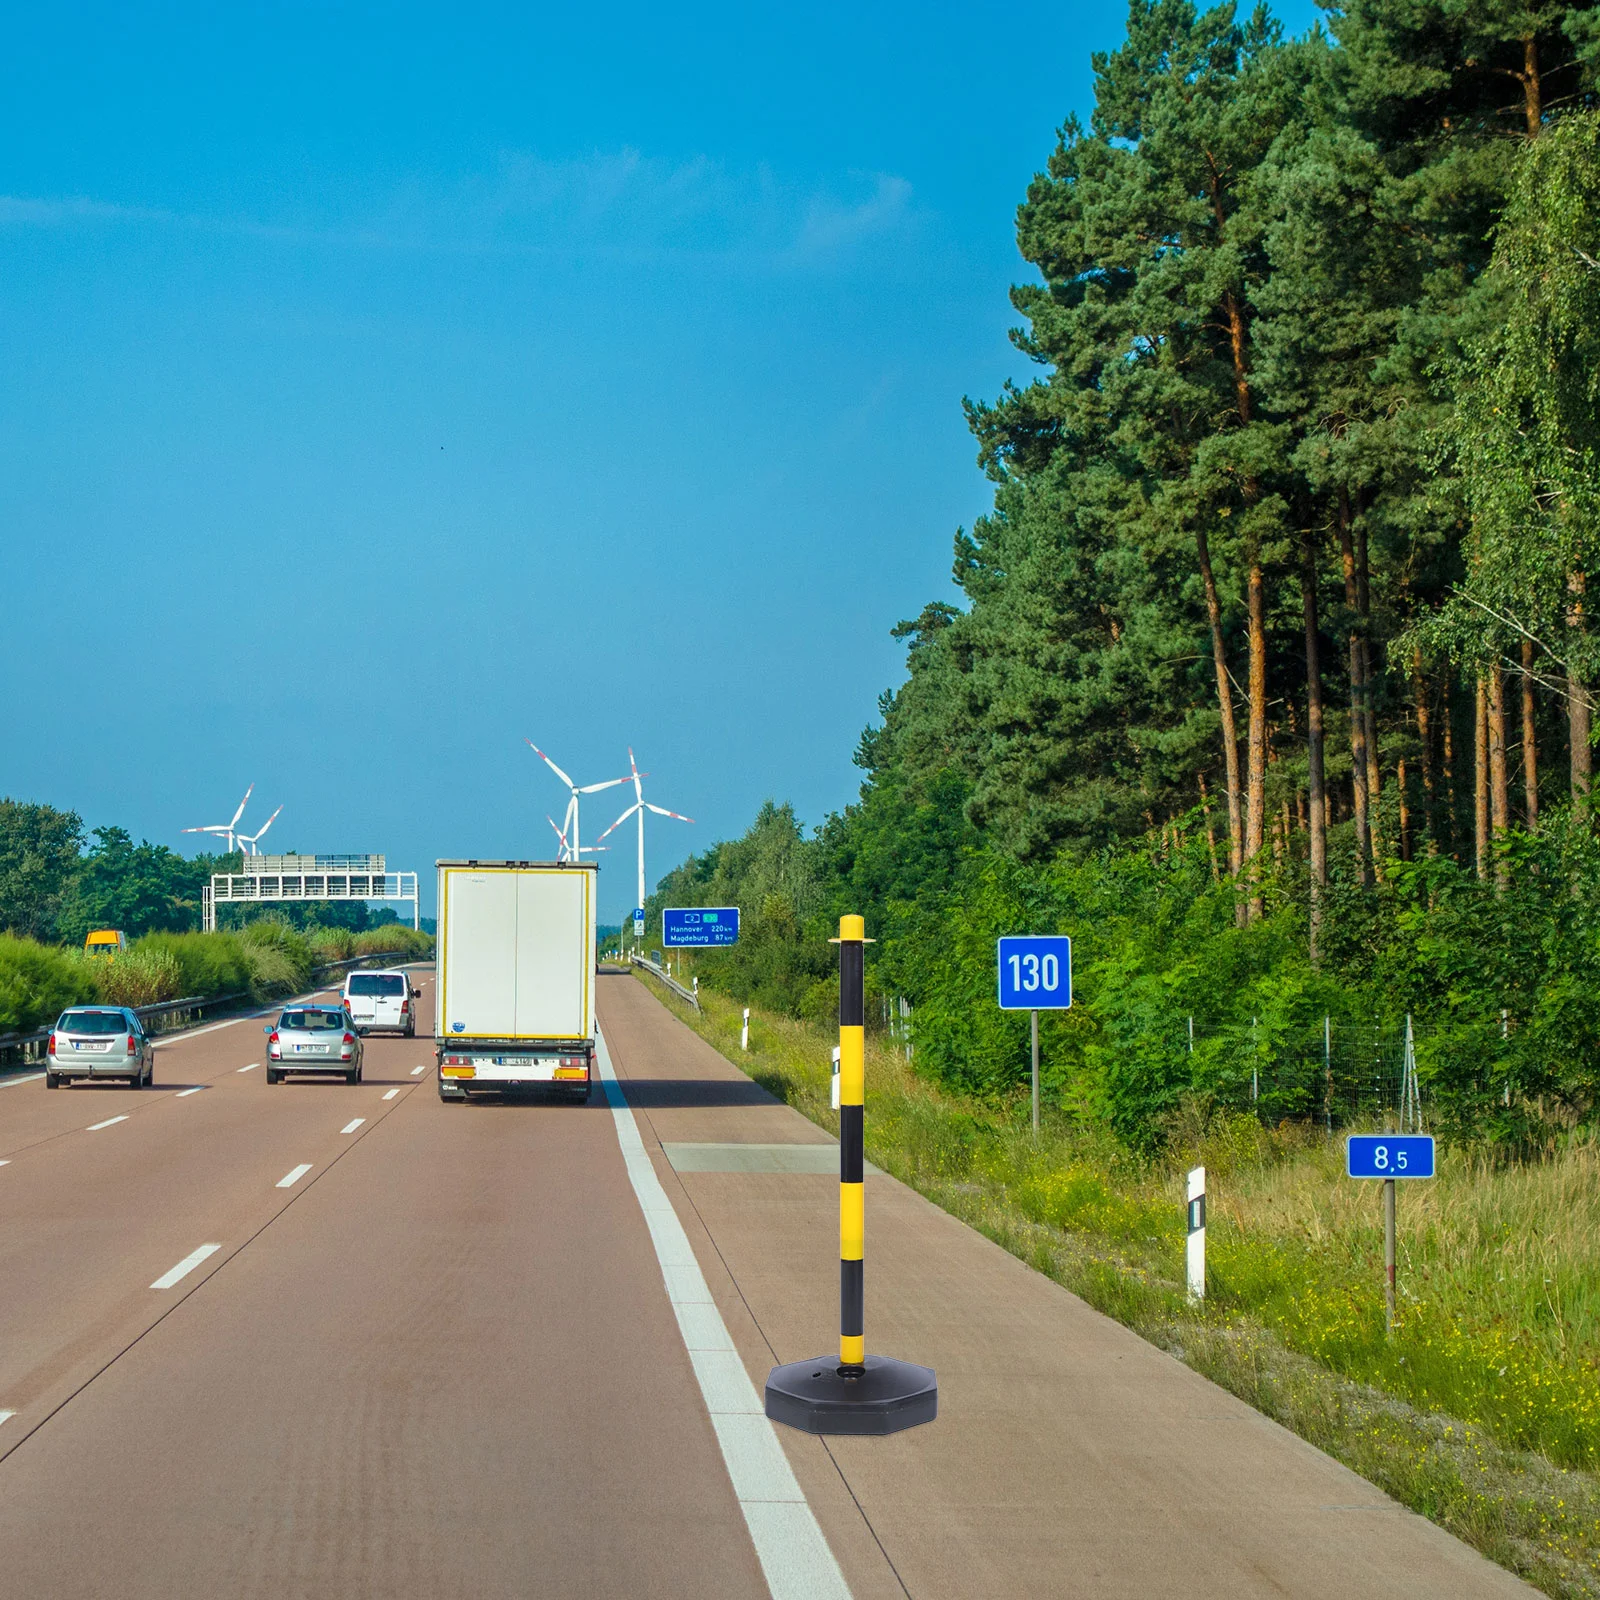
516	975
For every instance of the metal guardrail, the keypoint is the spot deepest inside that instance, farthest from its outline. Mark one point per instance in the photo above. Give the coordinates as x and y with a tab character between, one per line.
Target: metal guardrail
667	978
189	1003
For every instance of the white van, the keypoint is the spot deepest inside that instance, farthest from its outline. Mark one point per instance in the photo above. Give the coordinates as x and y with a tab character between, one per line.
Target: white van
381	1000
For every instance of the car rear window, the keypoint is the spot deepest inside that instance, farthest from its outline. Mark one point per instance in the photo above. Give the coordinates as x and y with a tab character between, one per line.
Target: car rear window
92	1022
309	1021
373	983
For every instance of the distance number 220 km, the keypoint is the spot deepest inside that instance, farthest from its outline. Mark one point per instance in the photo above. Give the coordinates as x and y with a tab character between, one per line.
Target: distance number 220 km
1032	974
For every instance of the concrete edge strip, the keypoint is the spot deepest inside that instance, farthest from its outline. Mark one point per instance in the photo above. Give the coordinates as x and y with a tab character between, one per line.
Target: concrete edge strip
794	1554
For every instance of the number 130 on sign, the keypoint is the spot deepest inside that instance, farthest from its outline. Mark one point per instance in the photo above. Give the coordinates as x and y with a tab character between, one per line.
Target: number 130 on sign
1035	972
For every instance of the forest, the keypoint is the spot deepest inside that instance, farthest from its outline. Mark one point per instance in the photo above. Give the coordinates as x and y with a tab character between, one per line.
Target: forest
1273	674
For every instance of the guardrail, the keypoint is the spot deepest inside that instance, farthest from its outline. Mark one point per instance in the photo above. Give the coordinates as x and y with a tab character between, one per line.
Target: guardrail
667	978
189	1004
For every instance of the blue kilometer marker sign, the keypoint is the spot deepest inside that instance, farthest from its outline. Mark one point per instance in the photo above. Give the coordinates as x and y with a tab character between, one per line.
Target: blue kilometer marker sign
700	926
1389	1155
1035	972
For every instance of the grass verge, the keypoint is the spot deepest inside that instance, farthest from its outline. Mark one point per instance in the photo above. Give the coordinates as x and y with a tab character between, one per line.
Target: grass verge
1482	1413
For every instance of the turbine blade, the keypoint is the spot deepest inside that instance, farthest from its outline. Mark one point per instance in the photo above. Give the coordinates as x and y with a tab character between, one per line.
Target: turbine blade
548	762
661	811
618	823
638	792
243	803
610	783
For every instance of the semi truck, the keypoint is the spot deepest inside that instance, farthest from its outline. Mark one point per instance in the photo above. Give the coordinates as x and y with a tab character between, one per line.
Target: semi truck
516	972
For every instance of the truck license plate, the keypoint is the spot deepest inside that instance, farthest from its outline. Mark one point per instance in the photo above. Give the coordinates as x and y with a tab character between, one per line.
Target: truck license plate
513	1061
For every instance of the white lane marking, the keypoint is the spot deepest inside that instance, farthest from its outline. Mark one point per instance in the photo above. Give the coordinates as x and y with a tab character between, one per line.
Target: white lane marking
11	1083
794	1554
6	1162
183	1094
391	1094
251	1068
95	1127
350	1127
5	1416
416	1070
290	1179
186	1266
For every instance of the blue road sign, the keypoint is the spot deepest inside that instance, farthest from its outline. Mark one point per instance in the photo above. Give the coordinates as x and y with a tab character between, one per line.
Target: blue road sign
1389	1155
699	926
1035	972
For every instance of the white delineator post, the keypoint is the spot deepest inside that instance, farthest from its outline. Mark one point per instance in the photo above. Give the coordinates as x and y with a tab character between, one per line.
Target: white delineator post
744	1030
1195	1247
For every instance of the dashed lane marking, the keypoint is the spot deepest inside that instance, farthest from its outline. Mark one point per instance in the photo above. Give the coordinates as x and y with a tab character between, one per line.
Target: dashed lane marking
183	1094
11	1083
391	1094
793	1551
422	1068
350	1127
251	1068
5	1416
186	1266
95	1127
290	1179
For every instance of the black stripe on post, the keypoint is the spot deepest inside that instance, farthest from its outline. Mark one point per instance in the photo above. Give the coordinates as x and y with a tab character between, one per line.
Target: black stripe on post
852	986
852	1298
851	1122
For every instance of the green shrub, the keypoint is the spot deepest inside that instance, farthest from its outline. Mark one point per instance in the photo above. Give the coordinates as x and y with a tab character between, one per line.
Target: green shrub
37	982
211	963
412	944
140	976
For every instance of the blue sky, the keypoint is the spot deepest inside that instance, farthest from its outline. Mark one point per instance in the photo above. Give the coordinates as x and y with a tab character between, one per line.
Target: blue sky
385	384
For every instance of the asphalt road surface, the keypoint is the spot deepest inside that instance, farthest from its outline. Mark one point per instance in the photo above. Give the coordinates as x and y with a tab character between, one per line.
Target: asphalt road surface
334	1341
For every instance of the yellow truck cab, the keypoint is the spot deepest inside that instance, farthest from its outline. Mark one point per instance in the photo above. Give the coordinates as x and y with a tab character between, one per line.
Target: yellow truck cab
105	942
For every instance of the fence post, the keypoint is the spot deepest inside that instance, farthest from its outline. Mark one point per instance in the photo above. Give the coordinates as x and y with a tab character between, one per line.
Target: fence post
1327	1072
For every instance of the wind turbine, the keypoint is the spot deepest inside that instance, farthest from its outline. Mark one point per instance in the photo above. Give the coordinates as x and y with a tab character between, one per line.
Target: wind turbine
225	829
567	853
571	846
638	808
251	838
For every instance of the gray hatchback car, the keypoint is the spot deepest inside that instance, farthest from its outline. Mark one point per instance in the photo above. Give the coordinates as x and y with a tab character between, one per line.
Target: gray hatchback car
314	1038
99	1042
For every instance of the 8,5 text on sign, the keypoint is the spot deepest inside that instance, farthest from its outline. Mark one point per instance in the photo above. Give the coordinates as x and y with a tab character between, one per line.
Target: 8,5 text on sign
1389	1155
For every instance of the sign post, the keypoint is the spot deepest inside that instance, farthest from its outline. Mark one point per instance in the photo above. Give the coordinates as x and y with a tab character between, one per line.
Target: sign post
1035	974
1389	1157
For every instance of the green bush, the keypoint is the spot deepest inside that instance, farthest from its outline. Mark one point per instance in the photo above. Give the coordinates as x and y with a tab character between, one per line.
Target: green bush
412	944
211	963
37	982
140	976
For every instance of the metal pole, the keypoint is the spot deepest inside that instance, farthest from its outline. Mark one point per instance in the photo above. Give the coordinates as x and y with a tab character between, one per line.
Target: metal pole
852	1181
1388	1256
1327	1073
1035	1016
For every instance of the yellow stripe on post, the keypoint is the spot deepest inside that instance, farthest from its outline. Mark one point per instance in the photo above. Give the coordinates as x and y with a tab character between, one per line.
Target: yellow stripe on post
853	1350
852	1066
852	1221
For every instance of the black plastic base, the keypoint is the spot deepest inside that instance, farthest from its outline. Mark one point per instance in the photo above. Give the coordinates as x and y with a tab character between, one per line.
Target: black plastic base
887	1396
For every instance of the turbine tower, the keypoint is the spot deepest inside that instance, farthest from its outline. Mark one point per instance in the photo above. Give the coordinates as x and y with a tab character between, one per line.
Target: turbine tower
572	847
225	829
638	808
251	838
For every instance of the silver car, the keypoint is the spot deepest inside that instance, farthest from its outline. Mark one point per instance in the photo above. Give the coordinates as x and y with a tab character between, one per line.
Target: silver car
314	1039
99	1042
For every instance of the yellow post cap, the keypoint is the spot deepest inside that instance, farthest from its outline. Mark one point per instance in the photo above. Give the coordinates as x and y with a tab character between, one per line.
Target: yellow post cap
852	930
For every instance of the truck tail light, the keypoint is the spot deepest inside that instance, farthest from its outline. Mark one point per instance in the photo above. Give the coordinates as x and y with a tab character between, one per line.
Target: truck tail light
571	1067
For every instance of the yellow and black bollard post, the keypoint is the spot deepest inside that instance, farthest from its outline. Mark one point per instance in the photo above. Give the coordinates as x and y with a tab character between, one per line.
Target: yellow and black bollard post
862	1393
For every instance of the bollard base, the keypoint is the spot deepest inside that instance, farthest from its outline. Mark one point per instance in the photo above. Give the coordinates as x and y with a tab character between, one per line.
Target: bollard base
887	1396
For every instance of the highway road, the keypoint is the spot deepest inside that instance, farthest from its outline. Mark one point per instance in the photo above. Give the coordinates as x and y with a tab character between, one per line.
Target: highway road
325	1340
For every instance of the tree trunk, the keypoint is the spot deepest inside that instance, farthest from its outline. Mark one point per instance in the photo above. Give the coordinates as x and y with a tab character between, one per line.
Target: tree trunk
1256	793
1480	774
1314	738
1211	838
1578	698
1419	693
1499	785
1530	751
1447	728
1405	811
1230	737
1358	722
1368	710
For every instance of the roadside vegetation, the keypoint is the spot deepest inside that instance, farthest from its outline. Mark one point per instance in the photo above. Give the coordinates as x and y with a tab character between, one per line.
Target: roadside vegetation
1483	1412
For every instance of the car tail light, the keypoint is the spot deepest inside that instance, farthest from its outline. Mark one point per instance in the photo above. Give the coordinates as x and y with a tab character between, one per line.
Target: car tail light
349	1038
133	1045
272	1038
52	1046
405	1008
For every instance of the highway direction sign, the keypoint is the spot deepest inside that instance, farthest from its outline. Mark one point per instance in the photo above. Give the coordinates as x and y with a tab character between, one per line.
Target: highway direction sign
699	926
1035	972
1389	1155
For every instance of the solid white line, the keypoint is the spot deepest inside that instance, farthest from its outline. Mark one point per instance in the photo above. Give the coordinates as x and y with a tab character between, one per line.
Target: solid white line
251	1068
794	1554
95	1127
186	1266
290	1179
11	1083
183	1094
350	1127
416	1070
391	1094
